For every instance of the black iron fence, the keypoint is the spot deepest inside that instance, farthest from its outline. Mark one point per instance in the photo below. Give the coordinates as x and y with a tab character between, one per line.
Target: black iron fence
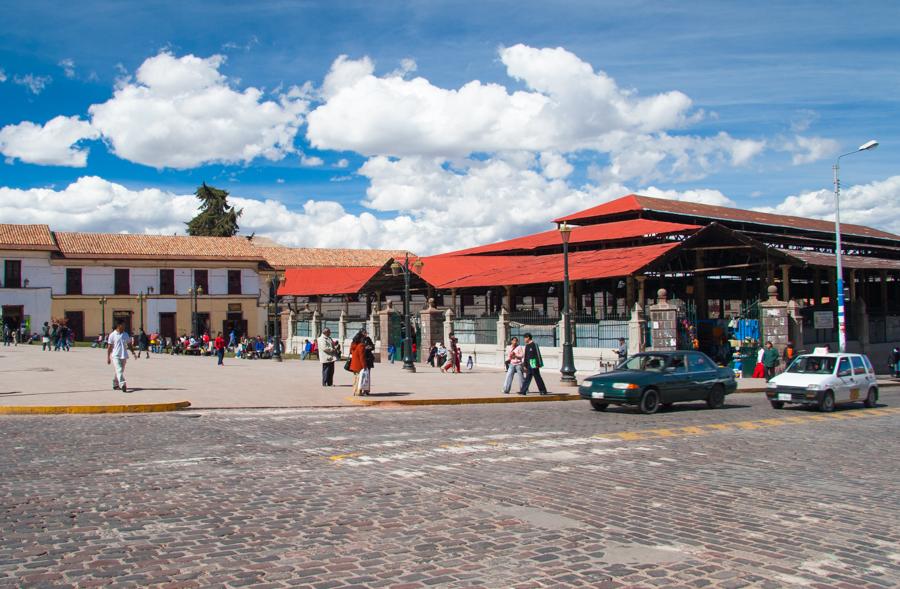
475	330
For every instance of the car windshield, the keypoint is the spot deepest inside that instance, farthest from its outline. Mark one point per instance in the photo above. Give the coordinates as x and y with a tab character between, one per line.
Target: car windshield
648	362
812	365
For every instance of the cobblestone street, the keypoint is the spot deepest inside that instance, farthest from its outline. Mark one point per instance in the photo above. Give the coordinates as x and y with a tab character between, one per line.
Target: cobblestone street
532	495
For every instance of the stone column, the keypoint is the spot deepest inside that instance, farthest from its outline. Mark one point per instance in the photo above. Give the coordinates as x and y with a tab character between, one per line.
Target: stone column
642	294
316	326
861	318
448	326
629	292
786	282
774	315
432	328
342	326
663	323
509	298
636	326
502	330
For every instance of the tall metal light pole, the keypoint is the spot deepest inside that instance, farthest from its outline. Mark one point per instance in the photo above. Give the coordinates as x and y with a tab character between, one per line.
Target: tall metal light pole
103	301
396	269
142	296
276	282
568	360
842	322
195	316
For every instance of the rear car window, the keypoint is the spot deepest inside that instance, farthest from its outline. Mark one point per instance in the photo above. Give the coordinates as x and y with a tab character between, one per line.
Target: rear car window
868	363
844	366
858	367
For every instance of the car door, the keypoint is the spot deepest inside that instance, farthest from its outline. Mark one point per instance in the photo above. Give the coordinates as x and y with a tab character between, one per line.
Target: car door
860	383
702	375
844	380
675	384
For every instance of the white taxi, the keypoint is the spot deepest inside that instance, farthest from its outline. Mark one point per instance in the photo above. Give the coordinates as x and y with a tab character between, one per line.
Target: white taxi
823	380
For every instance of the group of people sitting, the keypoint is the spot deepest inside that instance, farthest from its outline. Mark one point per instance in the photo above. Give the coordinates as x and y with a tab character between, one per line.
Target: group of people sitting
447	359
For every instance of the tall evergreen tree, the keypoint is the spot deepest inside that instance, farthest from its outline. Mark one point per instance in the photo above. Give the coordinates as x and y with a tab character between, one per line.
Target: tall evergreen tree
216	217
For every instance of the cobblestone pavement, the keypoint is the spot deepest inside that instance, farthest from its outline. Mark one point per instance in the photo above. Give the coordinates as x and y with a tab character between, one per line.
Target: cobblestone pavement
532	495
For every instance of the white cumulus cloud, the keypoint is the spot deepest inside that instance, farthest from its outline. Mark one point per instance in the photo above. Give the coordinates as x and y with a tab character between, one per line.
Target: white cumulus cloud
68	66
181	112
34	84
2	76
54	143
805	150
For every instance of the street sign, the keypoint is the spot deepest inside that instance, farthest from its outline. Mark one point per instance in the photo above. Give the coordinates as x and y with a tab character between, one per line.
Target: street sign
823	320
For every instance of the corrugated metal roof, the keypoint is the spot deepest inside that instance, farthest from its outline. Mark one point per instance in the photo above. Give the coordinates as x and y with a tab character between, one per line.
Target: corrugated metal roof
283	257
482	271
326	280
636	202
856	262
34	237
632	228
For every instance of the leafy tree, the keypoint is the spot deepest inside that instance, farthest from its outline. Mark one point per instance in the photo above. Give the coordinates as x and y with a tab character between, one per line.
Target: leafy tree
216	217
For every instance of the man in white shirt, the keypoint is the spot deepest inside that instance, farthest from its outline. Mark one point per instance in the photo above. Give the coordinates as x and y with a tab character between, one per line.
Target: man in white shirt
329	353
117	345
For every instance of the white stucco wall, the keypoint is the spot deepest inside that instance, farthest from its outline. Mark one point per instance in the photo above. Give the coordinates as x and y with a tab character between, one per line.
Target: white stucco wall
36	267
36	303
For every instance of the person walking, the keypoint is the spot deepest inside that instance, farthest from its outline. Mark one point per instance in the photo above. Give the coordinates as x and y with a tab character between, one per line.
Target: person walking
788	355
532	366
366	382
329	352
770	361
621	351
117	345
64	337
759	370
357	362
232	339
219	345
45	337
515	355
143	344
895	361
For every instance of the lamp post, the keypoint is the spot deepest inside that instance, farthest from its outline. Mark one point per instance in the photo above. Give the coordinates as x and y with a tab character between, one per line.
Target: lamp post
103	301
842	323
142	296
276	282
396	269
195	316
568	360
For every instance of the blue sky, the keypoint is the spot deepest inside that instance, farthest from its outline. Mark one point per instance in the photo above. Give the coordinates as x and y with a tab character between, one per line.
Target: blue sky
798	81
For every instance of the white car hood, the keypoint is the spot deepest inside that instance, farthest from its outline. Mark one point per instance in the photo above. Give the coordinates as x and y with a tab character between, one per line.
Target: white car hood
798	379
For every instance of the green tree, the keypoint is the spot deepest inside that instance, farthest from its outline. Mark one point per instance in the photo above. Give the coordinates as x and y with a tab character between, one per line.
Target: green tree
216	217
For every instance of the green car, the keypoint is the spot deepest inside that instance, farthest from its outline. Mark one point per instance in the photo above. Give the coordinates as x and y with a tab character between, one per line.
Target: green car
653	379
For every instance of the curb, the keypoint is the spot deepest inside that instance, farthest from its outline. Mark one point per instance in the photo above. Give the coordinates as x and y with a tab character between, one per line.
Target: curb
464	401
93	409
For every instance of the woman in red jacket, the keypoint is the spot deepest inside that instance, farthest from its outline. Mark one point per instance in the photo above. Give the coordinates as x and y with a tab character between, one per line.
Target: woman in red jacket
357	362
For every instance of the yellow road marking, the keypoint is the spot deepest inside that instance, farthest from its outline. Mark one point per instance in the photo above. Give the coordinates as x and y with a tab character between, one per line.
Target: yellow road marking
695	430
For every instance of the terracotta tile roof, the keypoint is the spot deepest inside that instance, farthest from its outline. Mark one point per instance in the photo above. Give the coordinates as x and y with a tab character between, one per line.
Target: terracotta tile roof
636	203
32	237
283	257
131	246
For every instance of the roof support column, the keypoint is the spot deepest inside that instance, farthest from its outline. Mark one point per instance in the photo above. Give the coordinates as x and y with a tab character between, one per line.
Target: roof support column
629	292
509	298
852	286
743	277
882	276
641	299
453	300
700	289
786	282
817	287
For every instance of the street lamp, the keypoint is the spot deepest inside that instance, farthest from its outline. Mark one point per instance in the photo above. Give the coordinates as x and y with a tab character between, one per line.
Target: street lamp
568	360
195	316
842	323
396	269
103	300
276	282
140	299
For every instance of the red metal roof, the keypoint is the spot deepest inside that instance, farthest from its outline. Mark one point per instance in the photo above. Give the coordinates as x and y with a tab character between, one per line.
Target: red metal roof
636	203
326	280
632	228
480	271
856	262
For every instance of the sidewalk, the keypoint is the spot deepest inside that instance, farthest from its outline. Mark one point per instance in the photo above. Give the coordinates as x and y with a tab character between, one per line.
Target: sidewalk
81	377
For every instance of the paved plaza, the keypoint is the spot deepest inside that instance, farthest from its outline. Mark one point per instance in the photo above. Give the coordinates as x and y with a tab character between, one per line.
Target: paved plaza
523	495
31	377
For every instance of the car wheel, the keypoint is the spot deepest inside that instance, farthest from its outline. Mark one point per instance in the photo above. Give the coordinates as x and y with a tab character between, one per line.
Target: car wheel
826	403
599	405
716	398
871	398
777	404
649	402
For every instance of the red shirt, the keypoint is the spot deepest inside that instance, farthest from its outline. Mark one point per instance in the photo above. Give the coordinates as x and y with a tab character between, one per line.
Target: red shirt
220	343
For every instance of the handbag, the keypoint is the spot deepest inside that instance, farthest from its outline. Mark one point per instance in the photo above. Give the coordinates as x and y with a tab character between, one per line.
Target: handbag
347	365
